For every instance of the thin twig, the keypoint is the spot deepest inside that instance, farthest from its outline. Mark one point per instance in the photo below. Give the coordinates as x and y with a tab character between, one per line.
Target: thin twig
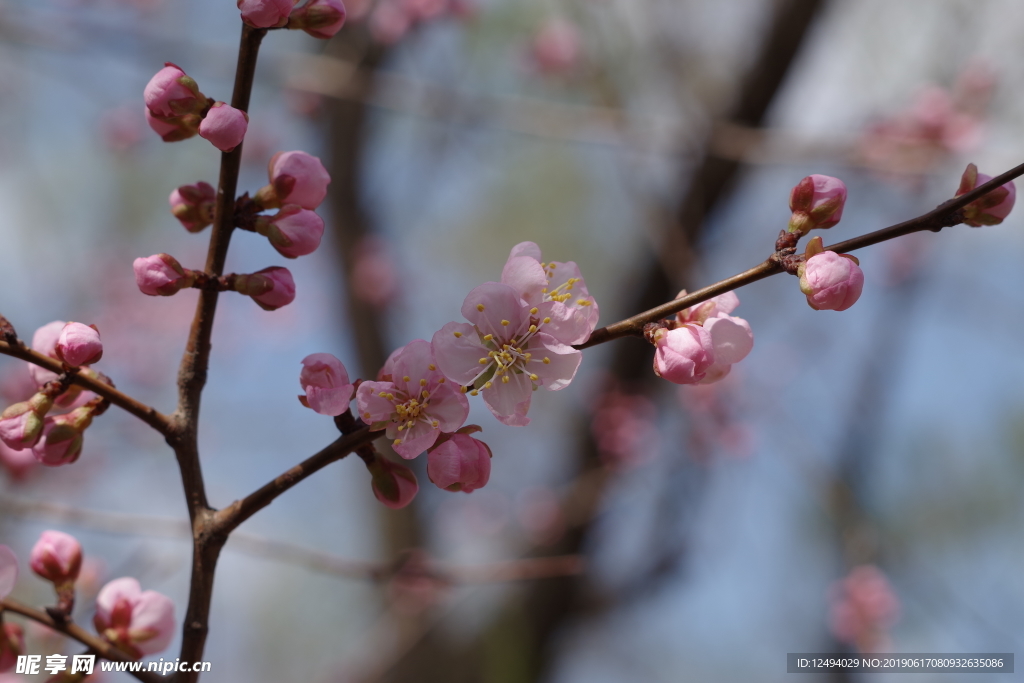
73	630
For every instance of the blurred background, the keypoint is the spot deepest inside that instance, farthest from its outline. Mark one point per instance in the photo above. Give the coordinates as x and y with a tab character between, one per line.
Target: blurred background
853	485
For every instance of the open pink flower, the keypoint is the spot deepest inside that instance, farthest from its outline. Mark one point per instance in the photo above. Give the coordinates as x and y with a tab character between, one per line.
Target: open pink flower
171	92
224	126
8	571
293	231
683	355
817	203
139	622
194	205
831	281
572	310
319	18
991	209
295	178
271	288
505	350
461	463
731	337
266	13
161	275
56	557
79	345
416	405
325	381
393	483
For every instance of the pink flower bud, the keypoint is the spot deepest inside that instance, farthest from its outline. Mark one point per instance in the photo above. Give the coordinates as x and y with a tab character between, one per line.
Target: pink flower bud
817	203
683	355
161	275
62	438
8	571
173	128
831	281
139	622
293	231
993	207
461	463
556	47
172	93
193	205
21	424
224	126
325	381
295	178
79	345
266	13
56	557
393	484
271	288
12	645
319	18
44	341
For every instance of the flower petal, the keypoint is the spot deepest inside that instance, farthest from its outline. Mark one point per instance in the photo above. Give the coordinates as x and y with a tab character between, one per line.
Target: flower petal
731	338
458	351
449	407
562	362
509	401
526	276
372	406
495	309
416	439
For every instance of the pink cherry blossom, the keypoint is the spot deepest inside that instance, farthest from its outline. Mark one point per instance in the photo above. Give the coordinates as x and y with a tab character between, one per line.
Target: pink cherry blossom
56	557
325	381
44	341
863	607
683	355
161	275
505	350
297	178
271	288
224	126
817	203
319	18
461	463
393	483
169	93
389	22
293	231
831	281
266	13
573	311
416	405
137	621
12	644
556	46
8	571
79	345
194	205
61	440
991	209
731	337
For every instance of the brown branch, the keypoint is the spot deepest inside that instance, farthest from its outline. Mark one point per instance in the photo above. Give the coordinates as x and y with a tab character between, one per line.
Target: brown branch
945	215
150	416
73	630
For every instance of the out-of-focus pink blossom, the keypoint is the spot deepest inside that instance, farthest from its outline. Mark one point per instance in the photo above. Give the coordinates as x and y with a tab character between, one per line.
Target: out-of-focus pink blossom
194	205
12	645
266	13
461	463
817	203
139	622
389	22
271	288
56	557
540	515
991	209
161	275
293	231
319	18
44	341
424	10
17	463
325	381
505	351
172	93
831	281
683	355
863	608
121	128
393	484
556	46
295	178
624	427
8	571
224	126
79	345
374	277
416	405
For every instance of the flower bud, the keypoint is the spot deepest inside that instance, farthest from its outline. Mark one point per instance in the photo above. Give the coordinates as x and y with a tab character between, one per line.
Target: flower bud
683	355
266	13
193	205
293	231
12	645
993	207
21	425
271	288
56	557
393	484
319	18
295	178
831	281
224	126
79	345
325	381
461	463
817	203
44	341
173	128
8	571
62	437
161	275
139	622
172	93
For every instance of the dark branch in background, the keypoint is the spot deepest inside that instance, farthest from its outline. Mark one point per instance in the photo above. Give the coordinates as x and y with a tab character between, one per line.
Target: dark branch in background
72	630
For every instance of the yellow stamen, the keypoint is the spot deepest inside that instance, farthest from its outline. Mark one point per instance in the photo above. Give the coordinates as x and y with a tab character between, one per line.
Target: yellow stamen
440	380
533	311
547	361
366	415
487	385
547	320
406	378
480	307
534	377
423	382
474	393
504	379
488	337
432	367
396	442
434	423
504	323
483	361
457	334
383	394
533	328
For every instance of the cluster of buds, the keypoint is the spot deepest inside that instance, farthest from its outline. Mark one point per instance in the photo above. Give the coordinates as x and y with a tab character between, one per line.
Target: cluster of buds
177	110
319	18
